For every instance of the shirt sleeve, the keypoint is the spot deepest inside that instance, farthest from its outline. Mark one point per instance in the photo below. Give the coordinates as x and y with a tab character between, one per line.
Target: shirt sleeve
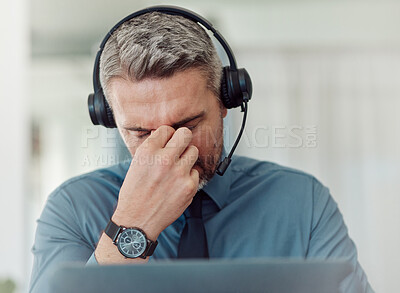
92	260
329	239
58	240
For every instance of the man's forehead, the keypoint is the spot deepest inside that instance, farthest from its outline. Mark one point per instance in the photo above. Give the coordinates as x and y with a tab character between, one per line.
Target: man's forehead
189	83
146	114
151	103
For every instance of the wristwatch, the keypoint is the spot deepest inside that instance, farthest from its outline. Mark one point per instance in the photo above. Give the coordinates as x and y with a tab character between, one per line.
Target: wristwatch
131	242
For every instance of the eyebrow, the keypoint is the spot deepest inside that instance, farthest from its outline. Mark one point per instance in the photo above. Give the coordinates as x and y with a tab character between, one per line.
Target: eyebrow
175	125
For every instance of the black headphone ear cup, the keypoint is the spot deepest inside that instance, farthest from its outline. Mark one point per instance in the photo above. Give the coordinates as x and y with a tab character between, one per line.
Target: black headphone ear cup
228	91
99	110
110	116
92	110
245	84
235	87
225	90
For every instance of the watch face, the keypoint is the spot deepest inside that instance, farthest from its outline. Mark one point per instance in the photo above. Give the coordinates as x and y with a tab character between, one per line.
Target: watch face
132	243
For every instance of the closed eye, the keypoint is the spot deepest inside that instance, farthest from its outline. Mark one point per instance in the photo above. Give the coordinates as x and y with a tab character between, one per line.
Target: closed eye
143	134
191	127
193	122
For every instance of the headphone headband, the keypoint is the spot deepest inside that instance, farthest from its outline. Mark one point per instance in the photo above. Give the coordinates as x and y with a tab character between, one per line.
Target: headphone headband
174	10
171	10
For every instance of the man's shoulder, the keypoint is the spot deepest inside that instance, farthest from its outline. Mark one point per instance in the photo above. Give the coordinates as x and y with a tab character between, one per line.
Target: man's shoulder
100	182
271	184
84	203
252	174
250	167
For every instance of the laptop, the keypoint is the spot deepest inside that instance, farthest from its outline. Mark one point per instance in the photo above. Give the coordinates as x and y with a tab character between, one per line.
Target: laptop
211	276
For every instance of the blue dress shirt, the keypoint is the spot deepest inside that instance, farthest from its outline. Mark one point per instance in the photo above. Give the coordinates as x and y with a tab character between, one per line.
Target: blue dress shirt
258	209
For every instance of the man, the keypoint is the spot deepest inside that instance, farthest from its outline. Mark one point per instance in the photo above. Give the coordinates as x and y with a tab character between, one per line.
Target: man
161	76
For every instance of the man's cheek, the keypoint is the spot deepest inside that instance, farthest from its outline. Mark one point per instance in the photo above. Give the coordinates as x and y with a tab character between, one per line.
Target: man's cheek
199	138
132	143
207	137
198	143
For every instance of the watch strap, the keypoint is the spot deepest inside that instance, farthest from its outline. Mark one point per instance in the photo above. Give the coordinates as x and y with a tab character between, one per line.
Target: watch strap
112	230
151	246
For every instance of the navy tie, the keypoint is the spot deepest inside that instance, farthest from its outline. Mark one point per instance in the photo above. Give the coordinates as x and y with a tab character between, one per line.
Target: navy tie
193	243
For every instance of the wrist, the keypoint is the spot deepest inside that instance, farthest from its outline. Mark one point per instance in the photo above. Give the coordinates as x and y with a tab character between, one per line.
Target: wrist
121	219
107	253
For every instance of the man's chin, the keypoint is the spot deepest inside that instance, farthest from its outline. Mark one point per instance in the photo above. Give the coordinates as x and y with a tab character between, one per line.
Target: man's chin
204	176
202	183
206	168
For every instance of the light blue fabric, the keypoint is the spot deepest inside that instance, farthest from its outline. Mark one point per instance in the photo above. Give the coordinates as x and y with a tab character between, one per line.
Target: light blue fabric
258	209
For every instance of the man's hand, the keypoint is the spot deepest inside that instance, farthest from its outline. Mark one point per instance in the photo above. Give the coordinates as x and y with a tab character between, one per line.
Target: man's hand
159	185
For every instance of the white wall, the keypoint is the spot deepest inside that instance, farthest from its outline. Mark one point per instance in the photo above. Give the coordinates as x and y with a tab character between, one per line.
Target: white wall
15	142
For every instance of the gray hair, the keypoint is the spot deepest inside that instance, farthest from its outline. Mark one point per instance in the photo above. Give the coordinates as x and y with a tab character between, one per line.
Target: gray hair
156	45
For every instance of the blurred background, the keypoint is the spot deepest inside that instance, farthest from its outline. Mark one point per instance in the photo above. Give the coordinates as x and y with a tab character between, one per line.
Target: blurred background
326	100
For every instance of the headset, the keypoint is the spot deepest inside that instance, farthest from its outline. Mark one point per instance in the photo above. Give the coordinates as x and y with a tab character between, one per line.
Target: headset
236	85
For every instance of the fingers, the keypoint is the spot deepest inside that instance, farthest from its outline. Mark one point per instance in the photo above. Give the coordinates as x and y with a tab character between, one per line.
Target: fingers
159	138
170	146
179	141
189	156
195	176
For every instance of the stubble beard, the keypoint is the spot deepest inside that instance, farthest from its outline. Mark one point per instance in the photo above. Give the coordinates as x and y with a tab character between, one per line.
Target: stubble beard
208	163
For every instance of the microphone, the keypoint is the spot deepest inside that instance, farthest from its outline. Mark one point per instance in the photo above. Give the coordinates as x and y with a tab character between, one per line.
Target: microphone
224	164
